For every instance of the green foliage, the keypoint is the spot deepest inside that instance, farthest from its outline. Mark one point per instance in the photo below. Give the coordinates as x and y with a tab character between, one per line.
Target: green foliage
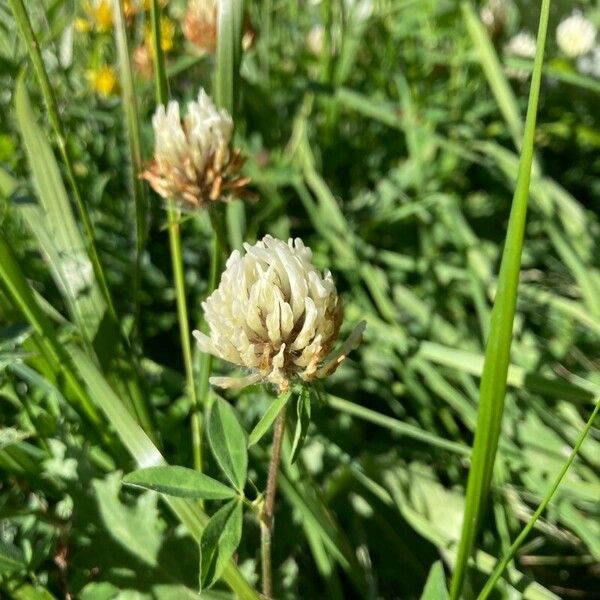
387	136
219	541
179	482
268	418
227	440
435	588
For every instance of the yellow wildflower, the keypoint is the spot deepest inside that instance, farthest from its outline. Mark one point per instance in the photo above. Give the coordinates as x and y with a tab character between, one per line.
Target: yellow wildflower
167	34
100	13
82	25
103	81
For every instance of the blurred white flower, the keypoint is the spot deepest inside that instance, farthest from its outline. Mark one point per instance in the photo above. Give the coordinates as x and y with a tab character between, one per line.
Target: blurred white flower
590	64
274	314
523	44
193	160
494	15
314	39
576	35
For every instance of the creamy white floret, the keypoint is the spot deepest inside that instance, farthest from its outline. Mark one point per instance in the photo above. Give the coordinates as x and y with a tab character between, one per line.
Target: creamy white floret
523	44
187	146
273	313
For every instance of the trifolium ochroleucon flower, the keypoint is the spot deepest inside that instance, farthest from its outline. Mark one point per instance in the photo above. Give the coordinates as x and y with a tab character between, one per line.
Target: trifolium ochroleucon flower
275	314
200	24
576	35
194	163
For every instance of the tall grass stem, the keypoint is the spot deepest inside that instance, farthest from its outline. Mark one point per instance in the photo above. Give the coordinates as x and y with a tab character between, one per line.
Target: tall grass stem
495	370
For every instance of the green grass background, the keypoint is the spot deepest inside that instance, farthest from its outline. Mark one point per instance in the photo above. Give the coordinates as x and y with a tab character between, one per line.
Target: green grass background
393	153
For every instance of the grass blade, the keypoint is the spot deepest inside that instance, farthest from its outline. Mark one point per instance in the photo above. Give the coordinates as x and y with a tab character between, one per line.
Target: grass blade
35	53
130	108
225	92
54	226
499	569
497	356
405	429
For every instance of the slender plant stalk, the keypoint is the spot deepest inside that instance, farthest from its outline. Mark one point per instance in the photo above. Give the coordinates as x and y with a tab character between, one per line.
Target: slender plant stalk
130	107
497	356
26	30
266	520
216	259
225	92
491	582
162	97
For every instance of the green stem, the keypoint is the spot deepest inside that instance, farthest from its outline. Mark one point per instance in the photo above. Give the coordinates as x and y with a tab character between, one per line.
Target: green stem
130	108
215	265
491	582
162	97
184	333
266	521
140	403
497	356
160	75
35	54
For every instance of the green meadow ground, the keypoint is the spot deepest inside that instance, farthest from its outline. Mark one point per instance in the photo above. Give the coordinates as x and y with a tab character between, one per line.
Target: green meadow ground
386	135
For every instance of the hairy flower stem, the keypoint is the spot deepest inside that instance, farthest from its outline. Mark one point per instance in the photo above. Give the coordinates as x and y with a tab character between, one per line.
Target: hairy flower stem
266	517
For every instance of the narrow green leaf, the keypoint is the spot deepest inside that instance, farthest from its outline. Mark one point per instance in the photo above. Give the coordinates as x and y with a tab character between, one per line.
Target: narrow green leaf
507	103
268	418
219	541
228	442
180	482
11	558
497	356
225	91
435	587
53	225
410	431
302	423
35	53
130	108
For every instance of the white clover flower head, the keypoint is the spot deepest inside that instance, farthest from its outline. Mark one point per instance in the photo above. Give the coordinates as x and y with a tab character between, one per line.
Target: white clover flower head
200	24
523	44
193	160
590	63
275	314
494	15
576	35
